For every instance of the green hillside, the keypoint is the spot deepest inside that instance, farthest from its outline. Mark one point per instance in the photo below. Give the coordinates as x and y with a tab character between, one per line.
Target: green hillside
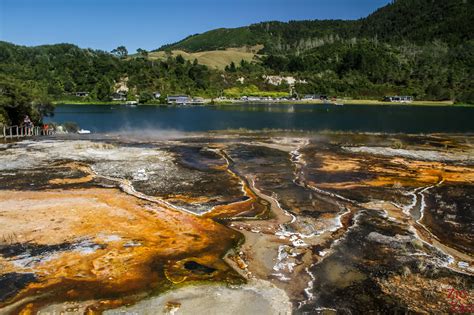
275	36
418	21
421	21
423	48
215	40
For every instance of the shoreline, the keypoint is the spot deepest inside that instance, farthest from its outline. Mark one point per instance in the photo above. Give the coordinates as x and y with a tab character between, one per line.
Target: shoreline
300	102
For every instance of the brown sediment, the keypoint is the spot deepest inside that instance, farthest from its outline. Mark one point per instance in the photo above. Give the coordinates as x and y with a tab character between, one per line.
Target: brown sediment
422	295
422	173
254	206
188	199
258	255
445	246
402	173
255	258
89	175
425	233
396	172
448	220
140	242
334	163
343	276
392	210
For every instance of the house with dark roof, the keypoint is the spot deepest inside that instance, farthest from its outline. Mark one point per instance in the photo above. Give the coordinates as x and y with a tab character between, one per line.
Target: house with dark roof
179	99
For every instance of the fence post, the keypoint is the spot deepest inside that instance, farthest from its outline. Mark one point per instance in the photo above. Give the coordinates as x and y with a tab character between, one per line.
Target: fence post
23	131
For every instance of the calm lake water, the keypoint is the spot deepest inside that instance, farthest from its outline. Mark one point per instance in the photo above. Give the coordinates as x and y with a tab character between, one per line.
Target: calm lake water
367	118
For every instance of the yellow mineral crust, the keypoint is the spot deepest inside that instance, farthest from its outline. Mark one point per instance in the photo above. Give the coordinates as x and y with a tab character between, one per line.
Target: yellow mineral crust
334	163
138	241
187	199
78	166
247	208
395	172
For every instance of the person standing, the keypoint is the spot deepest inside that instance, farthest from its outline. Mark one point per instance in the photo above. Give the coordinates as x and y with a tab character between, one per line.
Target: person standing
28	124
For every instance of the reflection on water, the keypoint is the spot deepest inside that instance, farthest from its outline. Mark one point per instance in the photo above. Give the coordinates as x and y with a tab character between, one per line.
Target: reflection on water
371	118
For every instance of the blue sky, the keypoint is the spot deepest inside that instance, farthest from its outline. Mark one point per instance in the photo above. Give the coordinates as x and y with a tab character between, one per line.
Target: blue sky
148	24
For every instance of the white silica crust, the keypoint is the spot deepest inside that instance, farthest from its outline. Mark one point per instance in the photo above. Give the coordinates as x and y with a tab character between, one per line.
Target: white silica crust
256	297
426	155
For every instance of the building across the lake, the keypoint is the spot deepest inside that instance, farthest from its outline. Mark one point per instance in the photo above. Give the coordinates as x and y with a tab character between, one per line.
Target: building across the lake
179	99
399	99
119	96
82	94
315	97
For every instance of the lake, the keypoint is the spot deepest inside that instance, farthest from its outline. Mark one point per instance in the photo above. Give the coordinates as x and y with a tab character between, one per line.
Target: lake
364	118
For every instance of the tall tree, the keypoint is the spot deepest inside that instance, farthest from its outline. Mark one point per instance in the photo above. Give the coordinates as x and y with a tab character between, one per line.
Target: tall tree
180	59
120	51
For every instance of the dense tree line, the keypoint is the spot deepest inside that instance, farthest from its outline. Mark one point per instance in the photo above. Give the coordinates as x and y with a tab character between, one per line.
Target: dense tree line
20	98
368	68
58	72
60	69
418	21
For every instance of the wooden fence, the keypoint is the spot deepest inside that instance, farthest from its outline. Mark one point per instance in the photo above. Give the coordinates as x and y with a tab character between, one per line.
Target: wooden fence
10	132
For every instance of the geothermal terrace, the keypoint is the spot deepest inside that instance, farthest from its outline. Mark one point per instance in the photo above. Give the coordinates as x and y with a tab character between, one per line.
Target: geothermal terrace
237	222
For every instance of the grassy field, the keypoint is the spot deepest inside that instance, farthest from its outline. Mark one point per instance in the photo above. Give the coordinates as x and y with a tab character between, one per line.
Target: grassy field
216	59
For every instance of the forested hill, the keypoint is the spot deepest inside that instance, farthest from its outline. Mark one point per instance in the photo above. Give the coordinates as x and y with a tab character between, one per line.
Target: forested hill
275	36
419	21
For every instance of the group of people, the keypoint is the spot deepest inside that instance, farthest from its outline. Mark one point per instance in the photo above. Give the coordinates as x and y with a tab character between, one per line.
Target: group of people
28	124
